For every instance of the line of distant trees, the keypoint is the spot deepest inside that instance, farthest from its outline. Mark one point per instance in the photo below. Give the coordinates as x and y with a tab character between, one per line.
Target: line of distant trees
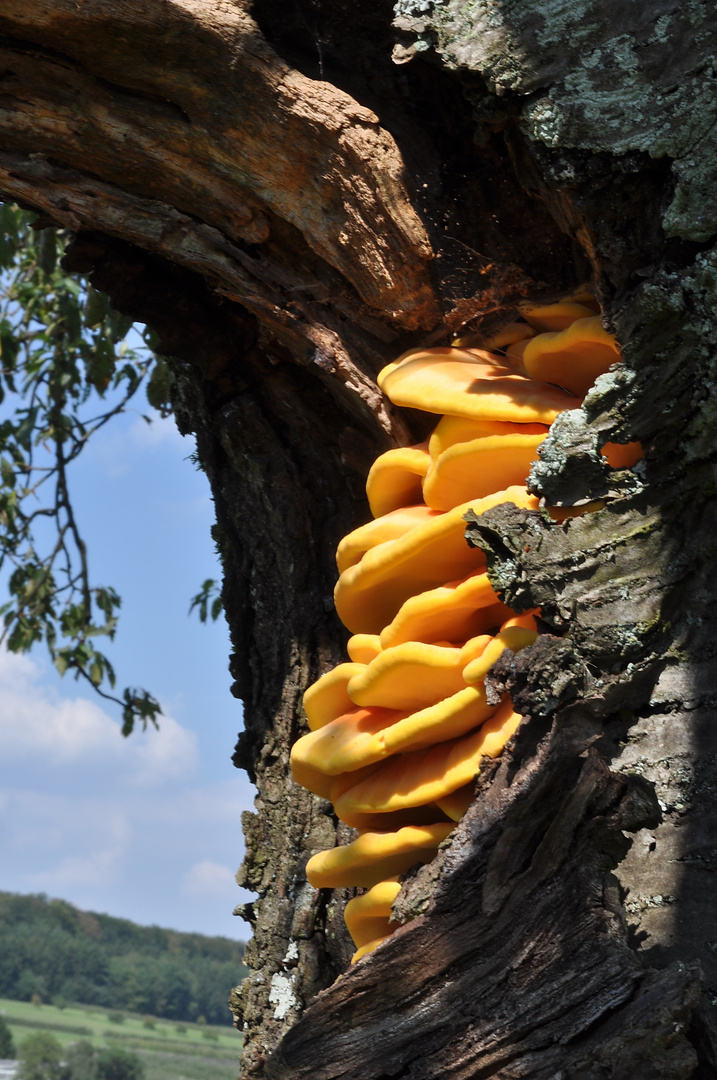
52	951
43	1058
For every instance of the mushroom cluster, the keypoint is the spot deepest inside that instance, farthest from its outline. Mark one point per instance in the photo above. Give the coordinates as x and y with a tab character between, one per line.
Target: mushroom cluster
397	734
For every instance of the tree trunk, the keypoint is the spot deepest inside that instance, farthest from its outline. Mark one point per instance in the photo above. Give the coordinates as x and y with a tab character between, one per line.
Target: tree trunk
295	194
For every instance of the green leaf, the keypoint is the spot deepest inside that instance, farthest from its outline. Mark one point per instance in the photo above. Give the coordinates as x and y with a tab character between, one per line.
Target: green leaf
96	307
47	250
210	588
60	339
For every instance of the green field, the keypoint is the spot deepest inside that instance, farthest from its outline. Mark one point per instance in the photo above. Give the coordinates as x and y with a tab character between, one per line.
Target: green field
170	1051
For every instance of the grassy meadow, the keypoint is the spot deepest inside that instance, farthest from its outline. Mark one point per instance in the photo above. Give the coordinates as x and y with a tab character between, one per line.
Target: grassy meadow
169	1050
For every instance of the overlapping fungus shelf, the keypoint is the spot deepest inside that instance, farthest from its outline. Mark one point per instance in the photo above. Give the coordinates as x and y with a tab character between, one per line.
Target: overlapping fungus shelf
397	734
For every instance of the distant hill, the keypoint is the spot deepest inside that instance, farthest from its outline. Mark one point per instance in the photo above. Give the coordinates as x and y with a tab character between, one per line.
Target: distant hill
51	949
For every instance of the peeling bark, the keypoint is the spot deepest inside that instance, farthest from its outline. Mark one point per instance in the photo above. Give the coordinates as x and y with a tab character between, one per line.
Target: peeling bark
291	207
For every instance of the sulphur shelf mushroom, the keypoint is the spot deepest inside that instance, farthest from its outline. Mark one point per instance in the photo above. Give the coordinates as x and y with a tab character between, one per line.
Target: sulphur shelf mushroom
397	735
367	917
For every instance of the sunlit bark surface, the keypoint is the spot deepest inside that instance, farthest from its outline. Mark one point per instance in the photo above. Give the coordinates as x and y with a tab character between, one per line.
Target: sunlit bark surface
293	195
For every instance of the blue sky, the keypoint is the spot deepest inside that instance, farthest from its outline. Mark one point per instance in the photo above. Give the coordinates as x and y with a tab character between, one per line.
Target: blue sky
147	828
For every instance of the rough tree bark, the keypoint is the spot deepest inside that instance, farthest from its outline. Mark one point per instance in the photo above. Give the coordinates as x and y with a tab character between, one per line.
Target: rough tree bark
294	194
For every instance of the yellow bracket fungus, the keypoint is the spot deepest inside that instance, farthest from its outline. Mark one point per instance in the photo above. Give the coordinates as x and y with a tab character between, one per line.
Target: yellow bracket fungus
363	648
369	735
413	675
515	634
423	776
471	470
395	479
466	384
369	593
367	917
328	697
553	317
453	612
459	429
573	357
390	526
376	856
397	736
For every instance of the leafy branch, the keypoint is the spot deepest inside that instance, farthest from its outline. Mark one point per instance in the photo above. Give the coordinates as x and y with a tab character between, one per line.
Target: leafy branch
208	601
66	370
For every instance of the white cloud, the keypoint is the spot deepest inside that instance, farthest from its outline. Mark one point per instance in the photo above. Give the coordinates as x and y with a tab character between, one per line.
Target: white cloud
65	841
128	826
99	869
170	754
38	725
207	878
118	446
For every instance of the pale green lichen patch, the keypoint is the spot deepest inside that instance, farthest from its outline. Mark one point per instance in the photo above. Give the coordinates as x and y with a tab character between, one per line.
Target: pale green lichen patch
605	79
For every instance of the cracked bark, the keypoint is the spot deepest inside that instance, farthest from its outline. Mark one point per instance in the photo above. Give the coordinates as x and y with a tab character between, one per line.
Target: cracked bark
291	208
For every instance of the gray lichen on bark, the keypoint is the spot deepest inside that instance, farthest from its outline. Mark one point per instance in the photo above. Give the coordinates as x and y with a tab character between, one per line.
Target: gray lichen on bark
613	78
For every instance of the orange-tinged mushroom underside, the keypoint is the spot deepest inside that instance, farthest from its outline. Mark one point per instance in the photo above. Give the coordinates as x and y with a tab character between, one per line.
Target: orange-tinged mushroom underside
622	455
368	595
395	479
452	381
573	357
453	612
428	775
376	856
471	470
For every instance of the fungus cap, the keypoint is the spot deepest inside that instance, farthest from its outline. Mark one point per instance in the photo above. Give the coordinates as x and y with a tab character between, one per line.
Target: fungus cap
366	736
466	384
391	526
457	429
471	470
363	648
515	634
371	945
453	612
558	316
428	775
376	856
369	594
328	697
361	912
507	335
412	675
333	748
573	357
469	354
394	479
368	933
